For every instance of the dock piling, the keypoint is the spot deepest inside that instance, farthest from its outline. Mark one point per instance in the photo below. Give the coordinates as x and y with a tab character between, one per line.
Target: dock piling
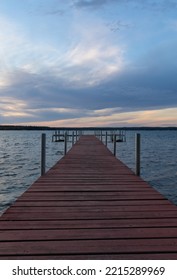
43	153
137	154
106	140
65	143
114	141
73	138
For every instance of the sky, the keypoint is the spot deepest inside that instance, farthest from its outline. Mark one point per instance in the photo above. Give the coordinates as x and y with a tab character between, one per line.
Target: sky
88	62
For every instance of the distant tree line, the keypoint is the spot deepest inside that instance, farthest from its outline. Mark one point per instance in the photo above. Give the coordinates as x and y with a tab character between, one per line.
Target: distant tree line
22	127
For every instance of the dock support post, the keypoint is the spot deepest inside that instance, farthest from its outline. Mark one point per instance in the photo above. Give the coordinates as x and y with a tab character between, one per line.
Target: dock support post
106	139
65	143
114	141
43	153
58	135
73	138
137	154
53	136
76	136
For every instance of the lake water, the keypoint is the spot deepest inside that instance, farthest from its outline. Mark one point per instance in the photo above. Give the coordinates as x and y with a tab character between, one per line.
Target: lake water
20	160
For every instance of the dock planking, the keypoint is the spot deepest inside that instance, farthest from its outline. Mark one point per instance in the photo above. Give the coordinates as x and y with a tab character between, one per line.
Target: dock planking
89	205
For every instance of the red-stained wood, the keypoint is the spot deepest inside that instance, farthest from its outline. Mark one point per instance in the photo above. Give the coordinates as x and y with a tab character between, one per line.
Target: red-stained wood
112	256
76	215
89	205
86	224
58	203
82	234
90	209
92	246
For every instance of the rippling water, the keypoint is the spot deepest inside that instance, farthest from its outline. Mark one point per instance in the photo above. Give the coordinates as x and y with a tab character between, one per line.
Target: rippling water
20	160
158	159
20	153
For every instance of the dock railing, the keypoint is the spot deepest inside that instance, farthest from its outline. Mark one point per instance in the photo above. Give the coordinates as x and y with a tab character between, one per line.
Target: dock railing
106	136
119	136
58	136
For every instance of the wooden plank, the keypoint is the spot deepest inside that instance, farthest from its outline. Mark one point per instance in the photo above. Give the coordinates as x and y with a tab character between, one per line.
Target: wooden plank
84	224
88	197
92	208
53	187
77	215
140	256
99	193
67	203
89	246
86	234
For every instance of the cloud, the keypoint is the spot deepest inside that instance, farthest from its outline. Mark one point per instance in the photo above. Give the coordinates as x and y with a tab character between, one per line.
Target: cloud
13	108
16	49
92	62
161	117
155	5
90	3
42	8
90	58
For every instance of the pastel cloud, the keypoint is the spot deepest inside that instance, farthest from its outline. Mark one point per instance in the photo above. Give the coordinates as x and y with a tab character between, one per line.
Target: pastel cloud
12	108
161	117
91	54
152	4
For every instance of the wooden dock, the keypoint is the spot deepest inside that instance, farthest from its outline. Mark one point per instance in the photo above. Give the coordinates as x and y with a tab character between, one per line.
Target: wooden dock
89	206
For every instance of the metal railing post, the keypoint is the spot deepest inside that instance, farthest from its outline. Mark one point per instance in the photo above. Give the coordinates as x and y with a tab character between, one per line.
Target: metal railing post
58	135
43	153
114	141
76	136
137	154
106	139
73	138
65	143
